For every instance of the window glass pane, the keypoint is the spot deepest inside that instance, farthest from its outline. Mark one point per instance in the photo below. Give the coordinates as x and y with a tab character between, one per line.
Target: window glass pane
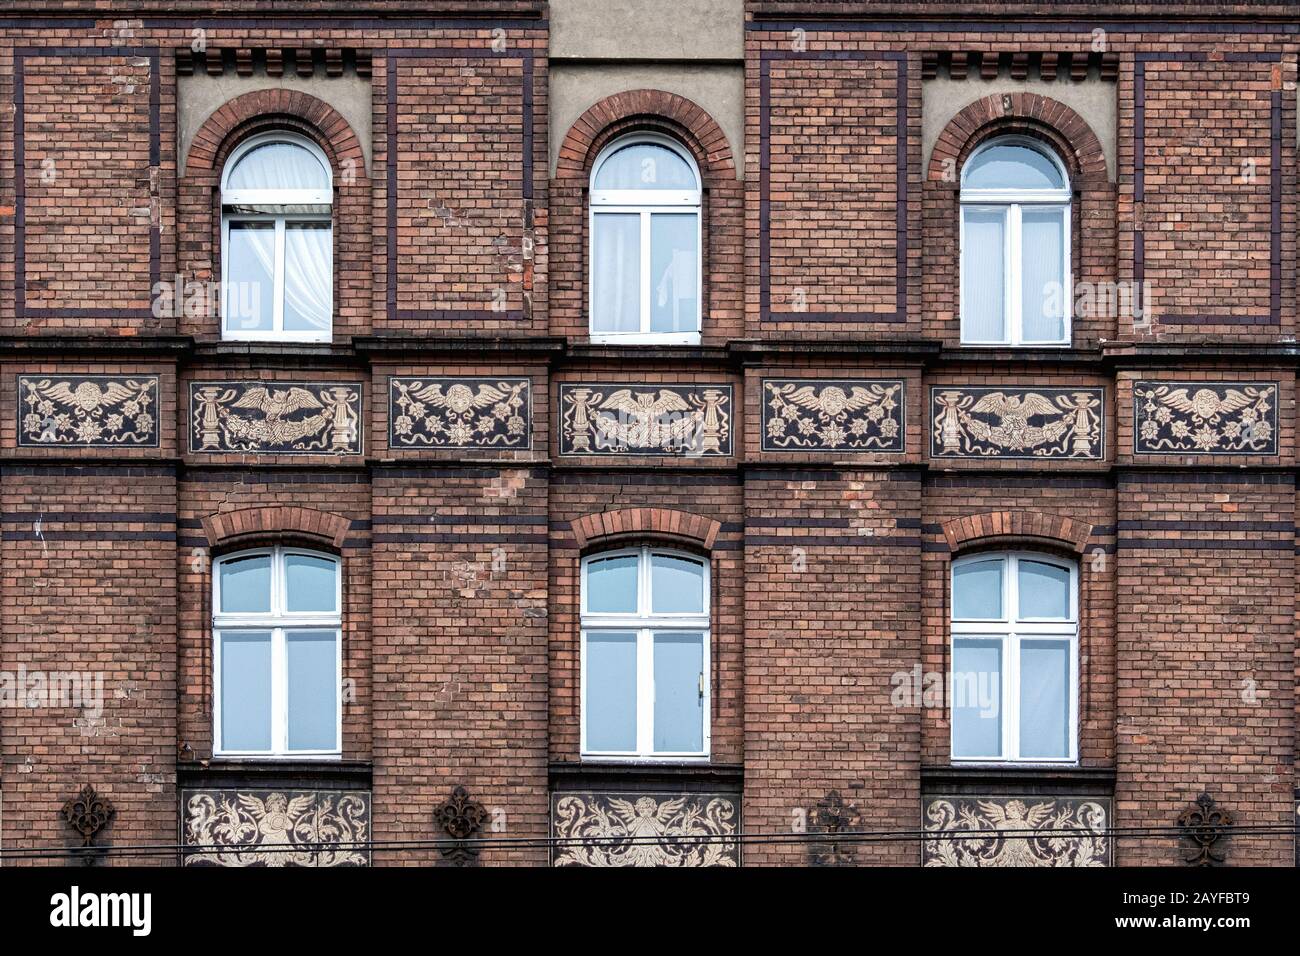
610	707
1044	590
246	585
1045	699
1043	295
1012	166
679	705
983	269
676	585
246	690
645	166
308	276
674	261
616	272
310	582
313	689
250	285
977	590
278	166
977	698
612	585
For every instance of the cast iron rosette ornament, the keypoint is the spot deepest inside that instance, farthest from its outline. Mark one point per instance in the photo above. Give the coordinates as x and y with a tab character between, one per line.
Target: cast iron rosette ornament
88	813
462	819
1204	824
832	816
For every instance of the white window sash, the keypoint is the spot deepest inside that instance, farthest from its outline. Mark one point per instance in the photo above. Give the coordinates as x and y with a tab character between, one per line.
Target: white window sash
277	332
1011	630
1013	203
280	623
646	624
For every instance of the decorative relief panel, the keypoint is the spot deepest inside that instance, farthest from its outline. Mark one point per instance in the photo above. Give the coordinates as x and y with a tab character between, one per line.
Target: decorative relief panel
88	411
459	413
846	415
276	827
1205	418
1006	831
644	829
281	418
1027	423
650	419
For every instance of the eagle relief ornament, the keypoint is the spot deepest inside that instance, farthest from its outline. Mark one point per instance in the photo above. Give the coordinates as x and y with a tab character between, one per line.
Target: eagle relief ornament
276	417
459	412
88	411
652	419
1016	423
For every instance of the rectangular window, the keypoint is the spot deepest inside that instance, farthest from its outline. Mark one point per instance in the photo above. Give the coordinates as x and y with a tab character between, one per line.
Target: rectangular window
277	637
645	654
1014	681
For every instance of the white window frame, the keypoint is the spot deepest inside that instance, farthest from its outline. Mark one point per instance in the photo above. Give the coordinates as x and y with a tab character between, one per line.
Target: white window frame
280	220
1012	202
279	622
645	203
1012	631
646	625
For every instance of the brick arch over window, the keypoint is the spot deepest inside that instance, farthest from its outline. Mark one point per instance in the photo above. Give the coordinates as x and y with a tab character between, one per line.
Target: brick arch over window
1017	527
261	111
250	525
611	527
646	111
722	206
1093	214
1026	114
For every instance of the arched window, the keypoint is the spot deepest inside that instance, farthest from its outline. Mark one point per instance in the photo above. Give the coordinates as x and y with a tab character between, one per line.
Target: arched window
277	245
645	243
1015	246
278	656
1015	653
645	654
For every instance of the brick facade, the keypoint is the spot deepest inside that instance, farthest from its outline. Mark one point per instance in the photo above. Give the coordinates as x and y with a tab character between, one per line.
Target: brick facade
830	262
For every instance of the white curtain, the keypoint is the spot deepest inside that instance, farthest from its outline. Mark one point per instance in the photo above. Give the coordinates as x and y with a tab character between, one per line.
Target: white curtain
983	265
278	166
308	276
616	272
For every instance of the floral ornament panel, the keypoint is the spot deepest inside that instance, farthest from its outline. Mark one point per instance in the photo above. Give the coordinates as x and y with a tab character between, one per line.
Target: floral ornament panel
1205	418
650	419
282	418
276	827
459	413
644	829
1030	423
850	415
88	411
1007	831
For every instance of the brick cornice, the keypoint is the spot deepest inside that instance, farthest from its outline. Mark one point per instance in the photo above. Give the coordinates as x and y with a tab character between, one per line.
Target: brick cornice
653	110
607	526
248	524
1016	526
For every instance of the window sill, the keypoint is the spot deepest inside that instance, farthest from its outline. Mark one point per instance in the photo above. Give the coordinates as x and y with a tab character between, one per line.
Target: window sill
590	773
682	338
1017	778
282	773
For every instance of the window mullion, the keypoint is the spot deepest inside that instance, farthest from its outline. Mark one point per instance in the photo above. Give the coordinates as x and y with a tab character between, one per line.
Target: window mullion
277	319
1015	320
645	692
279	693
645	270
1011	697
